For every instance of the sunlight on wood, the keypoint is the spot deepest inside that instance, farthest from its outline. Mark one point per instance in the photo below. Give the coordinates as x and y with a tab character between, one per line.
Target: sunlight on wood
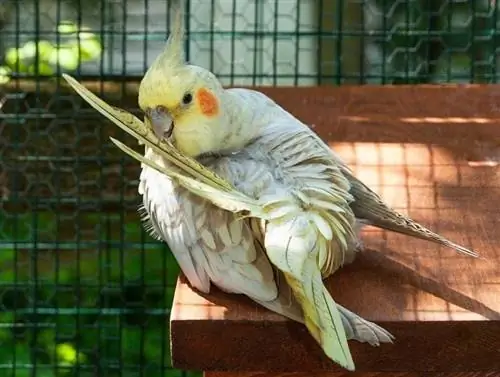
427	119
194	306
441	120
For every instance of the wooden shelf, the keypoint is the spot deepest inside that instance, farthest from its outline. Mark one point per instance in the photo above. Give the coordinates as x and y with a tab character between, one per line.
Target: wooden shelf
424	149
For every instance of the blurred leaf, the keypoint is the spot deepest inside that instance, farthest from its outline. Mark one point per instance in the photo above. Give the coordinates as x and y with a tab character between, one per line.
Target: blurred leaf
7	255
131	339
12	56
453	68
89	49
29	50
45	48
154	344
102	338
13	60
24	58
44	69
5	73
133	231
68	355
17	227
6	319
46	338
21	352
85	45
67	27
66	57
7	272
43	372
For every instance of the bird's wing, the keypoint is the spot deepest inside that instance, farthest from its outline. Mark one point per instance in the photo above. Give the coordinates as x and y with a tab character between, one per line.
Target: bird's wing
252	172
362	330
293	154
369	207
191	224
313	230
210	244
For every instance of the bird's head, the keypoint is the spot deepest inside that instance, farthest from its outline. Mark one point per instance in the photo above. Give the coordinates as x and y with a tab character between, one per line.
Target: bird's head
182	102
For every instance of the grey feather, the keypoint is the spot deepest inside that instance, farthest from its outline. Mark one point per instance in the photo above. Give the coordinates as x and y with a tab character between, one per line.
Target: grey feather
362	330
368	206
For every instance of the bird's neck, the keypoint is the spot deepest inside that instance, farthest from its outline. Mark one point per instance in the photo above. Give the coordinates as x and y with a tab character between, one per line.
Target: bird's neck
249	114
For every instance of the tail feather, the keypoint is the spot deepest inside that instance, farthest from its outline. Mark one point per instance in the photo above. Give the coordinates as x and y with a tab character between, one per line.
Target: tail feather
362	330
322	317
370	207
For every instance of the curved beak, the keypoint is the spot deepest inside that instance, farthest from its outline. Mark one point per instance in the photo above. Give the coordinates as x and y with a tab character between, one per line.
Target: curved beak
161	122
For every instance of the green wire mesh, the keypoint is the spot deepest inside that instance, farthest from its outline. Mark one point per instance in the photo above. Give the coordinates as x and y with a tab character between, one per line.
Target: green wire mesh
83	291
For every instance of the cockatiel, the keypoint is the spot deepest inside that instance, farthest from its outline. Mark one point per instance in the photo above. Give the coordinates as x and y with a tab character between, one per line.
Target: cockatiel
281	211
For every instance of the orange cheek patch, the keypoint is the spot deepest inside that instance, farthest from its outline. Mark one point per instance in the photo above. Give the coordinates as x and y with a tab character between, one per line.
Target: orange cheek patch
208	103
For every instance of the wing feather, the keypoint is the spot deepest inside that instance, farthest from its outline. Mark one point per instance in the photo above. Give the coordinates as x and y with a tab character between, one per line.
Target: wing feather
217	248
368	206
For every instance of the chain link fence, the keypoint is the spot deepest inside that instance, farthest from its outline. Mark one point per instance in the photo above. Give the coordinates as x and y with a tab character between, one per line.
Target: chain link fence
83	290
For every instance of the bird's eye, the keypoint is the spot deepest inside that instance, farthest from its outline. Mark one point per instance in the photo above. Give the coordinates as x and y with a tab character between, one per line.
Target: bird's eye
188	97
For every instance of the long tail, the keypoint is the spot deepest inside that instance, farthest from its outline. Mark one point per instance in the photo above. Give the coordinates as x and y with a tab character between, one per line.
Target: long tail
369	206
322	317
362	330
291	245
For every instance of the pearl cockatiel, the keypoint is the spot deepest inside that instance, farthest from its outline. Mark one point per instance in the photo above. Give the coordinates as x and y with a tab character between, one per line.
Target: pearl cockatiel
279	214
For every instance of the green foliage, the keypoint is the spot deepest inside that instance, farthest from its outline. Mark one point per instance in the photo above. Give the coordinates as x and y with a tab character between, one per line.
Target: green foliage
5	73
69	312
44	58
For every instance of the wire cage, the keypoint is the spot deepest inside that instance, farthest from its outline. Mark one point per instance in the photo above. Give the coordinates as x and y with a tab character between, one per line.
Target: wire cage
83	290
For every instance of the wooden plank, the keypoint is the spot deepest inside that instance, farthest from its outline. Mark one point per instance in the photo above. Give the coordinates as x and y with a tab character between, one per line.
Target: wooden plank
442	307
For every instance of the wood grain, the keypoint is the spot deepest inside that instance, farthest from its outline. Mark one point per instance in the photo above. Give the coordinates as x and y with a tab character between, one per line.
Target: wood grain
420	149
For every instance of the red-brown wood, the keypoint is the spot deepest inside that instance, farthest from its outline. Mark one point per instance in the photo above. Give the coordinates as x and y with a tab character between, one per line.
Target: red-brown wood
428	151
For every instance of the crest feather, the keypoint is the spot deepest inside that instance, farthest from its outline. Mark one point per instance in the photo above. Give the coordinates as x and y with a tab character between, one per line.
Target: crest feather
173	54
170	61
